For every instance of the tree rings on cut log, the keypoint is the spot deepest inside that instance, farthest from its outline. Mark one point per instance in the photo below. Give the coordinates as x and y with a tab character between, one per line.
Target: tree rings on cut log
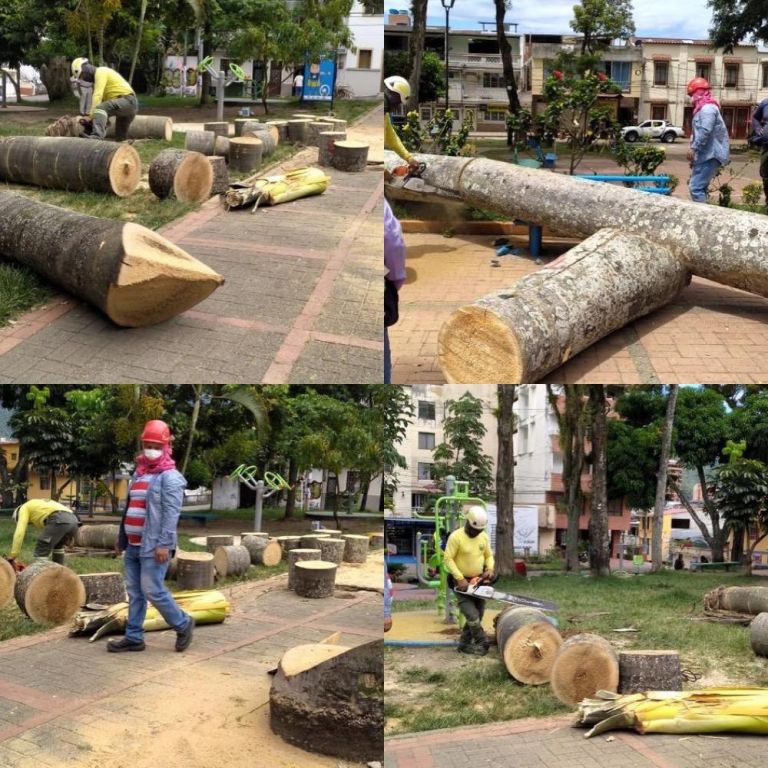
356	548
220	129
350	156
314	578
49	593
747	600
245	153
326	145
288	543
310	541
528	644
195	570
649	671
232	560
104	588
7	582
146	127
185	175
758	633
584	665
220	183
303	657
298	130
212	543
332	550
97	536
263	551
200	141
297	555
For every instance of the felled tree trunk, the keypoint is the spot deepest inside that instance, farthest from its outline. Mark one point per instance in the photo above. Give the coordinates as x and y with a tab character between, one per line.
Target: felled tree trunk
314	578
299	555
245	153
219	128
187	176
314	131
263	551
332	550
97	536
146	127
758	633
331	700
220	183
528	644
288	543
584	665
326	146
200	141
232	560
524	332
311	541
49	593
135	276
221	147
746	600
356	548
649	671
78	165
268	134
103	588
195	570
212	543
350	156
282	128
298	130
240	123
7	582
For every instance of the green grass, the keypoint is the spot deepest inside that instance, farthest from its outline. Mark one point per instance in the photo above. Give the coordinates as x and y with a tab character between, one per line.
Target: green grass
20	291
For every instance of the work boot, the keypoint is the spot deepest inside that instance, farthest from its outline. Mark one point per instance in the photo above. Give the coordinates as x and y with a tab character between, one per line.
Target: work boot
57	556
465	641
479	640
118	646
184	637
99	125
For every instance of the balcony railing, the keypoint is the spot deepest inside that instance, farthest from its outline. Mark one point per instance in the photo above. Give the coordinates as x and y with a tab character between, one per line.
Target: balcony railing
481	60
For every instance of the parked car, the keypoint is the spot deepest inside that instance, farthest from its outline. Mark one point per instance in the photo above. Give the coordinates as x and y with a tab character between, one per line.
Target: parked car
652	129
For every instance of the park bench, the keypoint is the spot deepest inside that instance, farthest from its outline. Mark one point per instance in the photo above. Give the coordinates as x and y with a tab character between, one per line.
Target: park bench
714	566
659	185
201	517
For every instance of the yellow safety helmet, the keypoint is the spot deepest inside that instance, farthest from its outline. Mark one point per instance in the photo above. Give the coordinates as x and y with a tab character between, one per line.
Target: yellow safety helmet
477	517
77	67
398	85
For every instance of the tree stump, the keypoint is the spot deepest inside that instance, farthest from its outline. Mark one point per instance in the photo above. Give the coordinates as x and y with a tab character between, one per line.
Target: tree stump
288	543
200	141
282	129
758	633
245	153
313	131
585	664
263	551
220	183
231	560
212	543
135	276
187	176
528	644
376	540
331	700
299	555
314	578
746	600
326	146
303	116
310	541
298	130
268	135
257	534
195	570
350	156
220	129
641	671
240	122
97	536
332	550
77	165
7	582
104	588
356	548
146	127
49	593
332	532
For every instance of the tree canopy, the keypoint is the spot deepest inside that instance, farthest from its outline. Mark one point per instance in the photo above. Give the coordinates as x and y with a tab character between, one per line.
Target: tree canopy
734	21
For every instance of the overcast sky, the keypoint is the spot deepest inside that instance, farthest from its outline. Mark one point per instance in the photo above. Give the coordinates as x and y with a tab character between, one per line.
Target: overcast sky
653	18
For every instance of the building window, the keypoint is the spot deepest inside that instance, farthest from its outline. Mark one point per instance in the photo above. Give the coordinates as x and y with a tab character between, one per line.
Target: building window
426	441
364	58
703	70
731	75
660	72
425	114
681	523
620	73
45	482
425	471
419	501
493	114
493	80
658	111
426	410
341	60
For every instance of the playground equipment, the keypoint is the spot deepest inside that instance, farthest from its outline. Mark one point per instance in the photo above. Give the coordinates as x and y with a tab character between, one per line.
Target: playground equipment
247	476
221	80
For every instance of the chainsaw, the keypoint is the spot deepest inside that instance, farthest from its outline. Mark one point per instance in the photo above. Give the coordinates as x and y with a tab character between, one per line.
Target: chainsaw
477	588
17	565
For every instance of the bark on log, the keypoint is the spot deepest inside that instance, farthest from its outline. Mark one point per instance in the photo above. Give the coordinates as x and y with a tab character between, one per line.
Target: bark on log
298	555
746	600
298	130
245	153
97	536
268	135
649	671
332	550
355	549
311	540
350	156
334	707
282	129
195	570
212	543
758	633
288	543
185	175
530	329
528	644
720	244
220	129
146	127
326	146
376	540
77	165
200	141
232	560
49	593
240	122
258	534
337	123
7	582
221	147
314	578
104	588
220	175
263	551
584	665
314	130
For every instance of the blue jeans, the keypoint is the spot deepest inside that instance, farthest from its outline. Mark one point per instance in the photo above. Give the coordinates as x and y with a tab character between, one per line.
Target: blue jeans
387	358
701	175
144	581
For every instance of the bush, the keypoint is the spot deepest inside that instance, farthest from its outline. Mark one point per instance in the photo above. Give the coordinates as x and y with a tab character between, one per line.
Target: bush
751	193
638	159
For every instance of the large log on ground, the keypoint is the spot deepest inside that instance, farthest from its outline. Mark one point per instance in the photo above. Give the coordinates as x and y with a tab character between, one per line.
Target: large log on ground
332	550
233	560
331	700
356	548
219	128
288	543
135	276
212	543
311	540
747	600
721	244
220	183
326	146
185	175
195	570
314	130
337	123
7	582
282	129
584	665
314	578
146	127
49	593
221	147
268	137
240	123
104	588
263	551
649	671
245	153
77	165
758	633
97	536
200	141
350	156
528	644
298	130
298	555
524	332
257	534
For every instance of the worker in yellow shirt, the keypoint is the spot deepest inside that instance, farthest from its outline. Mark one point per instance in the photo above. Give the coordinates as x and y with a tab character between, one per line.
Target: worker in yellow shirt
468	555
57	522
112	96
397	91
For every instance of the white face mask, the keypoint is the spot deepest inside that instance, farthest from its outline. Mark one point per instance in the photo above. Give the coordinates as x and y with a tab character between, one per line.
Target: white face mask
153	453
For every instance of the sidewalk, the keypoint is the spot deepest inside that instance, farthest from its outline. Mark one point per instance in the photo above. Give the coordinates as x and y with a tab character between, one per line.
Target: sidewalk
65	701
302	302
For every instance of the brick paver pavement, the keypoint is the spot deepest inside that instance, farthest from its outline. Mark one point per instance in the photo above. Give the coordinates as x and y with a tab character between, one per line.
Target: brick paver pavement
302	302
59	696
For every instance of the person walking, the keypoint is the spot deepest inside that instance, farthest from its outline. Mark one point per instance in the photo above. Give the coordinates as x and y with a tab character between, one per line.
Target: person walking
112	96
468	557
710	147
57	523
298	84
148	537
760	139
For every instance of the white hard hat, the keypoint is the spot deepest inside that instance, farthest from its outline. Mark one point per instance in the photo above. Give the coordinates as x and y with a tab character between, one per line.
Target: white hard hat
77	67
477	517
399	85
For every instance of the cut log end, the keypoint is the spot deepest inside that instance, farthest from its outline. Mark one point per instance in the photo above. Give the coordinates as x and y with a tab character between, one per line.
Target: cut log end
303	657
193	180
49	593
124	170
7	582
530	653
584	665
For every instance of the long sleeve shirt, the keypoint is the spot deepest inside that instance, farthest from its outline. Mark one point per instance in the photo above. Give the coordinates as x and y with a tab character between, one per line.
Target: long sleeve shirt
710	136
108	84
467	557
394	248
760	117
35	511
392	140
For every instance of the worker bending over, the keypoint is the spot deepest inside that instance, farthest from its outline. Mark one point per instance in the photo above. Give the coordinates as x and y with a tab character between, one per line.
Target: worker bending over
397	91
57	523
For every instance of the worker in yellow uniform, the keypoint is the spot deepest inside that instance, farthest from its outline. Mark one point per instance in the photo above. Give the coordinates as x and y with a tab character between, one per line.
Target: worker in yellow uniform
57	522
468	555
397	91
112	96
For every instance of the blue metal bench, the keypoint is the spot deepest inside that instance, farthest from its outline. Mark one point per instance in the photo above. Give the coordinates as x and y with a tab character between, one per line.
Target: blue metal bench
659	185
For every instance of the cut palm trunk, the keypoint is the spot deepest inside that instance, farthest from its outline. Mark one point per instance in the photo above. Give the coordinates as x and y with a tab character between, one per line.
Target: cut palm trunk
220	183
758	633
221	147
146	127
649	671
584	664
97	537
748	601
298	130
526	331
287	543
355	549
245	153
103	588
49	593
273	190
135	276
233	560
267	134
314	578
200	141
350	156
241	122
195	570
263	551
212	543
282	129
314	131
311	541
332	550
326	145
219	128
187	176
528	644
77	165
7	582
299	555
330	699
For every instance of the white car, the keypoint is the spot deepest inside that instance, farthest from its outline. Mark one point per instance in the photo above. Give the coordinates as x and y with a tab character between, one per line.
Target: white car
652	129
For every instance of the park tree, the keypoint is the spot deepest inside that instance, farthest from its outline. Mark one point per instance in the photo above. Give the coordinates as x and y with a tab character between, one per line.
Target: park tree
432	80
737	20
601	21
599	530
502	6
661	479
505	480
416	54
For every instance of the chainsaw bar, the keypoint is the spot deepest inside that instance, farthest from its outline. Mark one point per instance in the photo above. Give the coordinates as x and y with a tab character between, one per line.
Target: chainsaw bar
485	592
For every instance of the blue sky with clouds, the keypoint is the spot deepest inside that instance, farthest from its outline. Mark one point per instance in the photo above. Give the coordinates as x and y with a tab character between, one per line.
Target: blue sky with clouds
653	18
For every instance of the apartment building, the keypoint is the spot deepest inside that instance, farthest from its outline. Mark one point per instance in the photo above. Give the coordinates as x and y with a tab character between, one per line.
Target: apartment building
360	68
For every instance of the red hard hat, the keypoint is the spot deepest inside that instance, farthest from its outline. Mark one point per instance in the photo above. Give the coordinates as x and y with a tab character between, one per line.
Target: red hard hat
697	84
156	431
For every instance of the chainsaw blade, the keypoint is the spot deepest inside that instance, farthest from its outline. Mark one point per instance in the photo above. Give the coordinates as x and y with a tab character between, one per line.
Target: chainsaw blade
486	592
